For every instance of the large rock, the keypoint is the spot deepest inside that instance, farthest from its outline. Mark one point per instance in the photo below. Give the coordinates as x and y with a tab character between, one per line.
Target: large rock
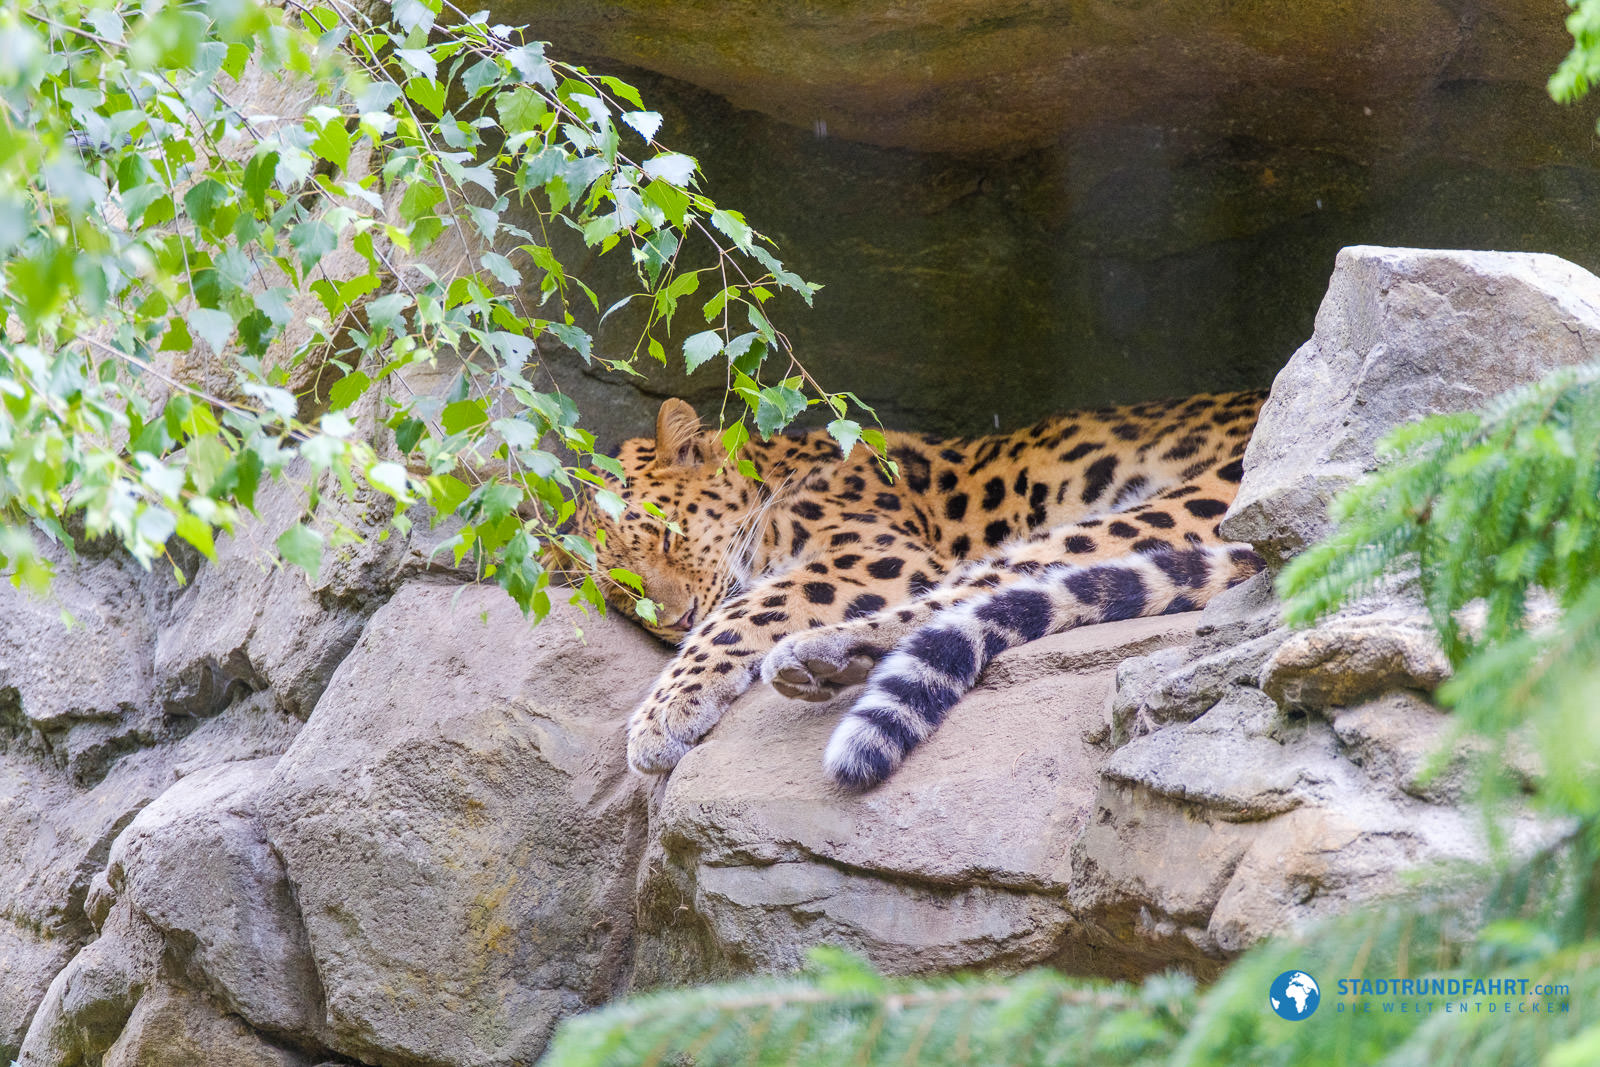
960	860
54	838
75	667
1266	778
171	1027
1402	333
56	841
460	828
245	623
90	1000
968	76
196	865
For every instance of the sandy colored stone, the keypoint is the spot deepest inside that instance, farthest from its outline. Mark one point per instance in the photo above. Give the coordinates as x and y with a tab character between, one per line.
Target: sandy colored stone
460	828
1401	739
959	860
174	1028
1238	773
1349	658
1402	333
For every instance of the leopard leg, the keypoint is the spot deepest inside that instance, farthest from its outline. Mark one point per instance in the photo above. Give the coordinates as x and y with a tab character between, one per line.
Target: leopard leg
722	656
816	664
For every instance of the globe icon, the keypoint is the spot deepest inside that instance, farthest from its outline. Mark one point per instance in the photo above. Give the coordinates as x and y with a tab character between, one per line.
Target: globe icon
1294	995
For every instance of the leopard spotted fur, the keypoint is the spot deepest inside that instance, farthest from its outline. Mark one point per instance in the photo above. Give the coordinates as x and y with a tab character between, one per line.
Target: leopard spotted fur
825	572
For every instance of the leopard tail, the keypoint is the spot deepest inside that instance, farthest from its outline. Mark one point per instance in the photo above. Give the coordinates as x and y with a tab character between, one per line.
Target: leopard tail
911	690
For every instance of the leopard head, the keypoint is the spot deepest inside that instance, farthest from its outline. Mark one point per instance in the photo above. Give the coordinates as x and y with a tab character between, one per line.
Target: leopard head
686	571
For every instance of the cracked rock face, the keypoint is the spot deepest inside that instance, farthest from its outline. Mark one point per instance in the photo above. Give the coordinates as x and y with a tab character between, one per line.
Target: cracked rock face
1402	333
460	828
1300	773
970	76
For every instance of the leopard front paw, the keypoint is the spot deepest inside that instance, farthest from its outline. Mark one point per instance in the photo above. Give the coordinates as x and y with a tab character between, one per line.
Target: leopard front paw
816	664
652	748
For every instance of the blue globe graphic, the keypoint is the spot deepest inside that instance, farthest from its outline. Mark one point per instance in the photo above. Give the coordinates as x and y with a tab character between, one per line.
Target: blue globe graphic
1294	995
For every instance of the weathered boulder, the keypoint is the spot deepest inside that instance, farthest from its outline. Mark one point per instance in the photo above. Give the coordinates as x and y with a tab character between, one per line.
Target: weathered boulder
196	865
1299	773
171	1027
1350	657
1401	334
246	624
460	829
960	860
75	668
56	841
90	1000
54	838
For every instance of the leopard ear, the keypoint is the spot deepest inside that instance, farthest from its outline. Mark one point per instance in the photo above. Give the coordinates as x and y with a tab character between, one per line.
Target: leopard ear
678	436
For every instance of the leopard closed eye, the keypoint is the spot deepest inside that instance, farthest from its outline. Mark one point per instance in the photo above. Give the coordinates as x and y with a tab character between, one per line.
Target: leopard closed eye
825	572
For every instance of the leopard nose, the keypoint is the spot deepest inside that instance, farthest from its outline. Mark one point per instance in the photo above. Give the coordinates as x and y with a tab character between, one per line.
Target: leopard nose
685	622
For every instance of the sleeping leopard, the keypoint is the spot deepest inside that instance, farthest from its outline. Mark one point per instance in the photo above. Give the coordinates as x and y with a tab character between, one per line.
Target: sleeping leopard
825	572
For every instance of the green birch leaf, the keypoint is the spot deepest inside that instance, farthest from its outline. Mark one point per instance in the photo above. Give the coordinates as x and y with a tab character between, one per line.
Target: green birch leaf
408	432
211	326
258	175
463	415
197	532
673	167
520	111
419	60
700	347
312	241
501	268
302	547
390	477
622	89
845	431
348	390
673	202
203	199
574	338
427	93
480	76
333	143
645	123
732	223
385	311
414	14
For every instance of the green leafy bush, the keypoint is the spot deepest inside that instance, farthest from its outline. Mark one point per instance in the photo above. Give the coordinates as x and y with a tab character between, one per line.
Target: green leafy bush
840	1011
160	239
